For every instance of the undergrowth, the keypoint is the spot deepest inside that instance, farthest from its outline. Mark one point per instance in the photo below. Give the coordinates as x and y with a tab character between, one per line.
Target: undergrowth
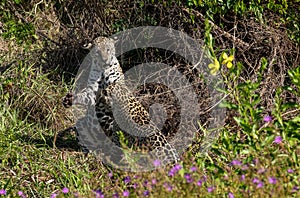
257	152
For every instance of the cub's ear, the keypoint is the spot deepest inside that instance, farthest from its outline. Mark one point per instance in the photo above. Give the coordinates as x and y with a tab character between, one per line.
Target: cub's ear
87	46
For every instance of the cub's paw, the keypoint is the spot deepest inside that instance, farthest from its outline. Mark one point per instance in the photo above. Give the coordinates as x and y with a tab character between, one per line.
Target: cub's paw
68	100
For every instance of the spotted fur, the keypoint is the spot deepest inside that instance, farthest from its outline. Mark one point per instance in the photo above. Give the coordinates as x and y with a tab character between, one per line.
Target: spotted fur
106	95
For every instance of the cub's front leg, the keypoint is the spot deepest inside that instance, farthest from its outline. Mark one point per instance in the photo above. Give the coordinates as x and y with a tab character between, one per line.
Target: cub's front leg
86	97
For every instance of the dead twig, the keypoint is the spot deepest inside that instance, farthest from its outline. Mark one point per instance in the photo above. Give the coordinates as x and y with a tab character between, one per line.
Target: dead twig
240	43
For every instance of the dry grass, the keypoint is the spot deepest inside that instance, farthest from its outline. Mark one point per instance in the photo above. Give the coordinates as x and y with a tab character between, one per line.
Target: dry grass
35	75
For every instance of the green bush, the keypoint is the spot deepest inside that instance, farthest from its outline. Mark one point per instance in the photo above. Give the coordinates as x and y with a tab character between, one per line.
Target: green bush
14	27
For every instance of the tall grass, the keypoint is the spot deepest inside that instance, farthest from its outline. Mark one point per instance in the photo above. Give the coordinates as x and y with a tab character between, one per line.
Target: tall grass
256	155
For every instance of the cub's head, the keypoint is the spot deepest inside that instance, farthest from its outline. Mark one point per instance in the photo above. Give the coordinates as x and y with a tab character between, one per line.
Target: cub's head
103	46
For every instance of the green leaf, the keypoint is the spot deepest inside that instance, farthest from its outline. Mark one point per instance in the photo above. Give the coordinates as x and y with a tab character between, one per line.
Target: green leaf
268	140
229	105
181	172
296	119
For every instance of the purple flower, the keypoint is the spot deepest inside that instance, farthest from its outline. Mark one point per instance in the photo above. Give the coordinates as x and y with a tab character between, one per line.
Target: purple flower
135	185
295	188
243	177
53	195
210	189
168	187
193	169
245	167
236	162
290	170
99	194
156	163
2	192
65	190
115	195
171	173
127	179
260	184
189	180
255	180
153	181
146	193
188	177
267	118
278	139
126	193
199	182
174	170
272	180
230	195
177	167
110	175
21	194
145	182
260	171
255	161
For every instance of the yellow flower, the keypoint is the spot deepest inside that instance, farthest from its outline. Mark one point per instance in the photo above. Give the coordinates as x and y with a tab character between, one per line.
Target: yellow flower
214	67
227	60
